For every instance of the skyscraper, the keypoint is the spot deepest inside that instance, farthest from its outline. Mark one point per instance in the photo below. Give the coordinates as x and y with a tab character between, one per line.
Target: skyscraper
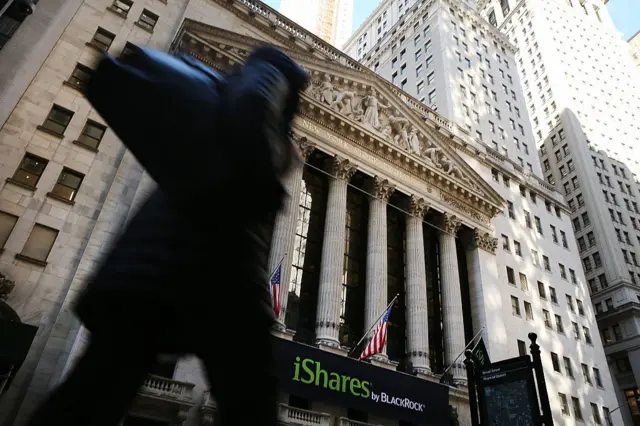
331	20
450	58
583	96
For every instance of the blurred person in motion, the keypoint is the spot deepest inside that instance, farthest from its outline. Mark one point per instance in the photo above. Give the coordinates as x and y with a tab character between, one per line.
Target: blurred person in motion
193	258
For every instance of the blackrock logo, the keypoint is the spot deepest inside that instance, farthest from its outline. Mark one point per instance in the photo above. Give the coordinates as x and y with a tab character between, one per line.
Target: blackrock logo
310	372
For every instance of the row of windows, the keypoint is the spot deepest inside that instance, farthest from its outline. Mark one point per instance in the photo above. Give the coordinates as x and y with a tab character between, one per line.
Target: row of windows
577	411
524	286
58	120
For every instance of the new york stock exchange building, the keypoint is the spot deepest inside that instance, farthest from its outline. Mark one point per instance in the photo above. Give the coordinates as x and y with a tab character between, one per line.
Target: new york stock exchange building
387	204
392	200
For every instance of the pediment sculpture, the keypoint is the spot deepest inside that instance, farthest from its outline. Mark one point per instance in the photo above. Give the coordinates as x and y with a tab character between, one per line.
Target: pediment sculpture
371	110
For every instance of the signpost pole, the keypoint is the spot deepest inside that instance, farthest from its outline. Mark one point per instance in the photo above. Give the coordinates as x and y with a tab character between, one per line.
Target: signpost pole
547	418
471	385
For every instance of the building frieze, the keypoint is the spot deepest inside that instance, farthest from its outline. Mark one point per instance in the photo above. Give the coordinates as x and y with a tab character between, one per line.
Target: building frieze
367	111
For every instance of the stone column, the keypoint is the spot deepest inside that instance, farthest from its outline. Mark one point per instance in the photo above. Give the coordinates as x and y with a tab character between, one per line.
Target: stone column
332	260
483	281
284	231
454	341
376	287
416	287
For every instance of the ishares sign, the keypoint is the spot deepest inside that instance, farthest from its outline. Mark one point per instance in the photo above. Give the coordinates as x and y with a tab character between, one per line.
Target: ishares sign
318	375
314	374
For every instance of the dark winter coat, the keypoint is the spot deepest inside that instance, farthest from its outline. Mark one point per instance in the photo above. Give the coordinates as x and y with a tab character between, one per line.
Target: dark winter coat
196	251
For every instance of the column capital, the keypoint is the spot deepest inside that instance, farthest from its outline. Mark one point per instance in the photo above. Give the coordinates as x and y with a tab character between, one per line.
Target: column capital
484	241
381	188
306	147
341	168
450	223
418	207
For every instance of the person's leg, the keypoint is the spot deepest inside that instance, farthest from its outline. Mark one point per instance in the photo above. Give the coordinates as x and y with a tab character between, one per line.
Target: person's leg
242	381
100	387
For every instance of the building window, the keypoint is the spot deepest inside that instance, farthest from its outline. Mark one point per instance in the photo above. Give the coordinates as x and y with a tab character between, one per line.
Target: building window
39	244
594	408
7	223
522	348
147	20
29	172
552	295
547	322
568	369
528	311
559	325
518	248
67	185
564	404
102	39
505	243
587	335
596	377
541	290
580	307
555	361
57	120
121	7
515	306
91	135
524	284
80	77
577	411
576	330
511	276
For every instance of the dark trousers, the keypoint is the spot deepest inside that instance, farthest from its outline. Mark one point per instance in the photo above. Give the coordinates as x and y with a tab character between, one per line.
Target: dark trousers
103	383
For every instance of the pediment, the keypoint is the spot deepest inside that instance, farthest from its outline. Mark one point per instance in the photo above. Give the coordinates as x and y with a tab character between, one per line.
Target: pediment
366	110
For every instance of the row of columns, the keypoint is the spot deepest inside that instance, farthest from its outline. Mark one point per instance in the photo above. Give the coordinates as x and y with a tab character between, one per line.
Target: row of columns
332	264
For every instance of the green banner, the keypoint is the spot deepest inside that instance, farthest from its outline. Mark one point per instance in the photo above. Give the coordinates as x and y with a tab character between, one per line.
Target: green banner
480	354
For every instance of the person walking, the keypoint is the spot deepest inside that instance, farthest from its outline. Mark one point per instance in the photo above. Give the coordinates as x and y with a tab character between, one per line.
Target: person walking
188	274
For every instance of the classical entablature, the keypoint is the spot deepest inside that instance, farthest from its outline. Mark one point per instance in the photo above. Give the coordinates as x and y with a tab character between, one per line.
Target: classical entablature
357	115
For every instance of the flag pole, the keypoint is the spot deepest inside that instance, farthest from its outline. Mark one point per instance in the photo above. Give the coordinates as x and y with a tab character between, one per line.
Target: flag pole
373	325
277	266
465	348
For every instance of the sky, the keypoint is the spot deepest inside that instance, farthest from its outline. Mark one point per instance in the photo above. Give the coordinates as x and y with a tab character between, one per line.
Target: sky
625	13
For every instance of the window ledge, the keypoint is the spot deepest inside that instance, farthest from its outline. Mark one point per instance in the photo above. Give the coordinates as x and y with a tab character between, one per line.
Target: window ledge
31	260
73	86
117	12
138	24
50	132
21	185
96	47
61	199
85	146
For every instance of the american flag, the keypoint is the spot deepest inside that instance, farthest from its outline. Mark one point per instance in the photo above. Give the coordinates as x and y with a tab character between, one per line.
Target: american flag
379	338
275	289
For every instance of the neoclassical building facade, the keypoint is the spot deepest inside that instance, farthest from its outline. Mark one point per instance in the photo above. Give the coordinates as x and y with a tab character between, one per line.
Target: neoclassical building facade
392	200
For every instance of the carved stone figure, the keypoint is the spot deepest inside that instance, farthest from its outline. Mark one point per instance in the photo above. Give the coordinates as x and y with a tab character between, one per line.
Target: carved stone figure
414	141
433	154
325	92
372	108
484	241
345	103
399	129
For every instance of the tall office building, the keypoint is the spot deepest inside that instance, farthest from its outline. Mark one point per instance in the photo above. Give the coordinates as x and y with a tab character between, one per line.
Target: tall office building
634	47
583	96
331	20
450	58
